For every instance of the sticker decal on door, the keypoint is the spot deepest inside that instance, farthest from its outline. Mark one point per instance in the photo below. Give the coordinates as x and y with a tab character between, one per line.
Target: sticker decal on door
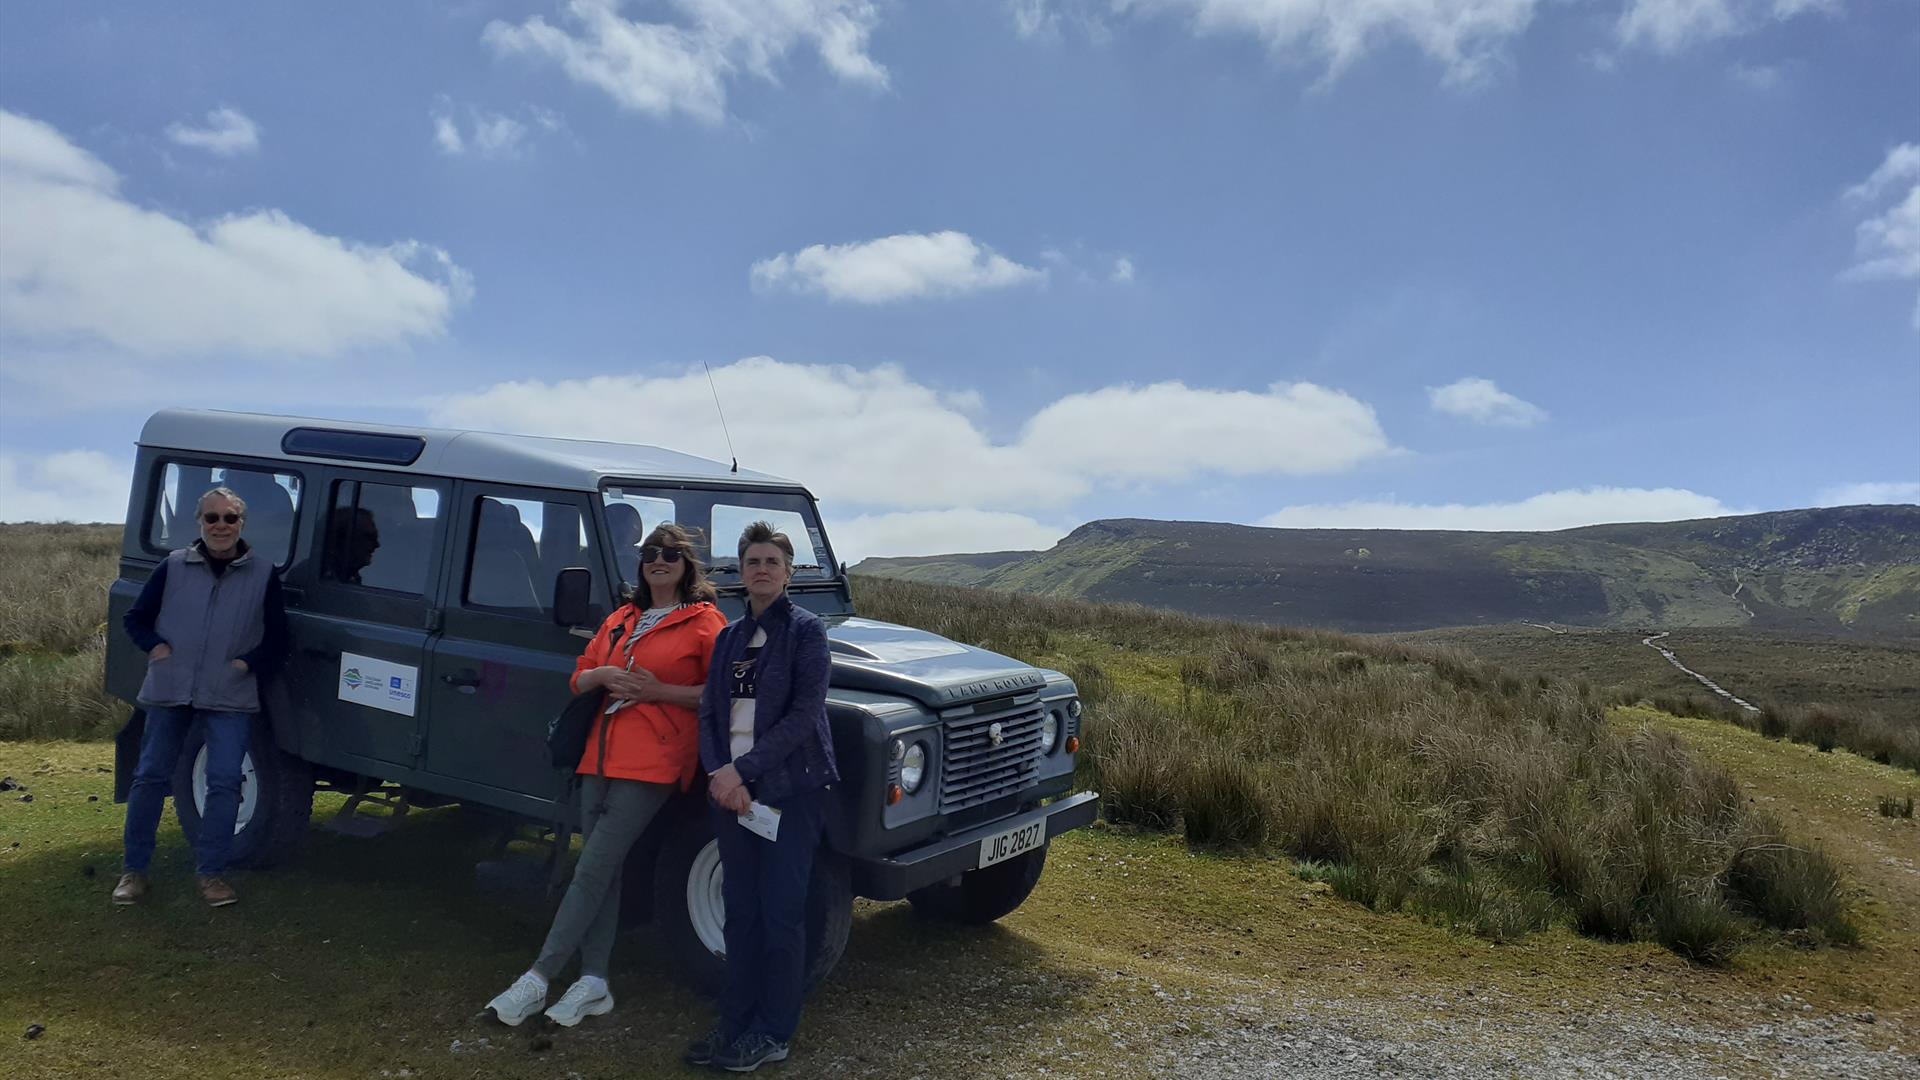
378	684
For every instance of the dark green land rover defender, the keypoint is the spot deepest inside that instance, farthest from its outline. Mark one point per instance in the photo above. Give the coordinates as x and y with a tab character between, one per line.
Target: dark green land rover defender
439	586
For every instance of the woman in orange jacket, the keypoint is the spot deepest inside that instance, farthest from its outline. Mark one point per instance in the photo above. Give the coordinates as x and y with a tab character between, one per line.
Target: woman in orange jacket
645	746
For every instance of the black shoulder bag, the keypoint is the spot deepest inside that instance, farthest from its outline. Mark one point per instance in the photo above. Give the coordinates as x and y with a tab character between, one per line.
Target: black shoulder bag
567	733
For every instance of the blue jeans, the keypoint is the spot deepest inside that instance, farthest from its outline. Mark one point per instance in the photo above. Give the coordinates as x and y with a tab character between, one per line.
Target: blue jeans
167	727
765	890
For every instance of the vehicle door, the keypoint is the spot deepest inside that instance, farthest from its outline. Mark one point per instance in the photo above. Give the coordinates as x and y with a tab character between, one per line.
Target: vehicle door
361	630
501	667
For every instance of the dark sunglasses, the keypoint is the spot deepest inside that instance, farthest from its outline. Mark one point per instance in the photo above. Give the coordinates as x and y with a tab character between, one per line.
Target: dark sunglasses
210	518
653	553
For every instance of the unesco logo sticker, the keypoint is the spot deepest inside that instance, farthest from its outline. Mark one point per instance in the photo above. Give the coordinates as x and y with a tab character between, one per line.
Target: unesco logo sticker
352	678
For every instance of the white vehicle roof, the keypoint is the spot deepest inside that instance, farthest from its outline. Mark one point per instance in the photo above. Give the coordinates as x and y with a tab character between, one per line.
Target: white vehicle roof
574	464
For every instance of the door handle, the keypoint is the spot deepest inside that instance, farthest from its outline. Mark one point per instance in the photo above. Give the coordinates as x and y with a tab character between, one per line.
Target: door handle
466	679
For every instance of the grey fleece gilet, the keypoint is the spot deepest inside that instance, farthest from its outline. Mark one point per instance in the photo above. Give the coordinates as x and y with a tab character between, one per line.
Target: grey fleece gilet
208	622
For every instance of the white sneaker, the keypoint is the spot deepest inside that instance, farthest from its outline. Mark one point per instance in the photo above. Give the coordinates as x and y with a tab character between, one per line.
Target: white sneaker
586	997
519	1001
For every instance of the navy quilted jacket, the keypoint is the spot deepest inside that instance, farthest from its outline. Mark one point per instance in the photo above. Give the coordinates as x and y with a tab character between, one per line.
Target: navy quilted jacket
792	746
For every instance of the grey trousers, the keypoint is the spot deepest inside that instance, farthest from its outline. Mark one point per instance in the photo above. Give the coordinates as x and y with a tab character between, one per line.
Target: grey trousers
613	815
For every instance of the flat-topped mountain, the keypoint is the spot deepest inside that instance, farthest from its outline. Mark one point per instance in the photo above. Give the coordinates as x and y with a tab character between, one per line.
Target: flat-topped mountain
1853	568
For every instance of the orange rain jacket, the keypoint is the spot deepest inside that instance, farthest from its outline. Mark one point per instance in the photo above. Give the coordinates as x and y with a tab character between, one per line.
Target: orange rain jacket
652	740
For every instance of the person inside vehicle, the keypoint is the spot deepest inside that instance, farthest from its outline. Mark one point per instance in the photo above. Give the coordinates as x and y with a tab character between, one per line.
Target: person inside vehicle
352	538
765	745
212	623
650	657
623	522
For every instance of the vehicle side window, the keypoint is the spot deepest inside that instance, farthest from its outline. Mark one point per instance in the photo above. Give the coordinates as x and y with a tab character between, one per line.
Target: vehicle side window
272	498
380	535
519	547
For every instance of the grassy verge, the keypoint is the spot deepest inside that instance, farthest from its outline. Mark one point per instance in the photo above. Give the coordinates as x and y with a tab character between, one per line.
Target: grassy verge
372	957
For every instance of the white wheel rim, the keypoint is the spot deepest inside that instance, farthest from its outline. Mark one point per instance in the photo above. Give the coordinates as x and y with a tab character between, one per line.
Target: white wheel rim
706	905
249	788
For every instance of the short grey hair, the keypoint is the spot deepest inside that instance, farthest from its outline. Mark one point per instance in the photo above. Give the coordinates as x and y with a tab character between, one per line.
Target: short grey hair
763	532
227	493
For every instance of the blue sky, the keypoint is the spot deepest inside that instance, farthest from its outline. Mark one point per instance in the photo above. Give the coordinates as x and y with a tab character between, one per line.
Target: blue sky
979	271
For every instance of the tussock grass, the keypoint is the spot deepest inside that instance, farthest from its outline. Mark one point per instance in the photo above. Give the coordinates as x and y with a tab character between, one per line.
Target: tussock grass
53	595
1406	777
53	609
1826	728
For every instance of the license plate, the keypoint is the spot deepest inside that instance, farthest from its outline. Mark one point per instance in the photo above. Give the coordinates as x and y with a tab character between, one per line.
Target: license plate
1002	846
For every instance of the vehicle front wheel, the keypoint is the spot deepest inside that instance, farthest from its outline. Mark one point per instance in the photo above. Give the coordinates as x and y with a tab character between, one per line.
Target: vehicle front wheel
690	914
982	896
276	798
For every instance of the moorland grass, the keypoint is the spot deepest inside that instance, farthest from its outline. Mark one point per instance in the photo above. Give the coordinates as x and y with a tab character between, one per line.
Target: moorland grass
1827	691
53	607
1409	777
1422	778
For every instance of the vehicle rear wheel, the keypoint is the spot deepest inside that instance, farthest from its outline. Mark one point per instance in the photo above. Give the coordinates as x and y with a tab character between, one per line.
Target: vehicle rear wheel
690	916
982	896
276	798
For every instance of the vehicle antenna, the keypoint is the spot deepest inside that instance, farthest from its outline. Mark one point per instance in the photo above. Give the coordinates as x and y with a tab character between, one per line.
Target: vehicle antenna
723	417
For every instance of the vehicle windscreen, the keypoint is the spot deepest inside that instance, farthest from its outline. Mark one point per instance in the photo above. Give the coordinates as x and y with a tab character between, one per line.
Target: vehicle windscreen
716	518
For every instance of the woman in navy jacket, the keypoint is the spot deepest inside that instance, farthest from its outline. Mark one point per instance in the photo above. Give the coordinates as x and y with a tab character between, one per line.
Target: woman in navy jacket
764	739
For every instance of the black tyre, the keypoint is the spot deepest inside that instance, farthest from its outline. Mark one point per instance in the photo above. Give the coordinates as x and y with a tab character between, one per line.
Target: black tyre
276	798
689	915
982	896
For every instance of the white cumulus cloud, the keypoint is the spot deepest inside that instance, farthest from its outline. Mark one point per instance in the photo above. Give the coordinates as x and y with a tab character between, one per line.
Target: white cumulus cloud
1466	37
876	440
1669	26
485	134
226	133
1483	402
1888	240
81	261
686	65
939	532
1871	493
902	267
1169	431
70	485
1551	510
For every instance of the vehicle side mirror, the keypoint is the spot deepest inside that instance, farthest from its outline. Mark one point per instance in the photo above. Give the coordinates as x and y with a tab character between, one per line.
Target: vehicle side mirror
572	596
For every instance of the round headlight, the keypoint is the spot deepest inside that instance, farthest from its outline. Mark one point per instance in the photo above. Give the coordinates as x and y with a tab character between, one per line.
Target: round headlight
913	767
1050	732
1073	708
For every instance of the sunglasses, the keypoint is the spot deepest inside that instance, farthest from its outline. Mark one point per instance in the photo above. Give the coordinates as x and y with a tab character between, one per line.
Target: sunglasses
655	553
211	518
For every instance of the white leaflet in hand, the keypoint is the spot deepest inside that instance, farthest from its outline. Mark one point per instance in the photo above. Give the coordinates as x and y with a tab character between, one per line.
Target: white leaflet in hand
619	703
761	820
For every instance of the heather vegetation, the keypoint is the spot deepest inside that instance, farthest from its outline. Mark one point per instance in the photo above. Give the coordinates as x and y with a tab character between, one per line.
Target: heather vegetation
1407	778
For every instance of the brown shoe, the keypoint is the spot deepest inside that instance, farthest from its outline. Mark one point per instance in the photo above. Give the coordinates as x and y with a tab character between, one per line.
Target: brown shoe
217	893
132	888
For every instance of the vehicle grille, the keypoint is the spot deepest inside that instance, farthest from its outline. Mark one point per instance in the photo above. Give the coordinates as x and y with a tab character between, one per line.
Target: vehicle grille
973	770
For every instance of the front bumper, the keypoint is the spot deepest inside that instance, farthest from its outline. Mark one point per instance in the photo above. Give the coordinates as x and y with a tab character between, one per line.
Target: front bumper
893	877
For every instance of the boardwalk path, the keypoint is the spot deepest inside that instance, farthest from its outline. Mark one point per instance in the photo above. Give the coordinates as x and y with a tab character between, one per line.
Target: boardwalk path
1704	681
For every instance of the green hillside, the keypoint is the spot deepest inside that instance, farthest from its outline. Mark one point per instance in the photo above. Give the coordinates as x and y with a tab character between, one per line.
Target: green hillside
1840	570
